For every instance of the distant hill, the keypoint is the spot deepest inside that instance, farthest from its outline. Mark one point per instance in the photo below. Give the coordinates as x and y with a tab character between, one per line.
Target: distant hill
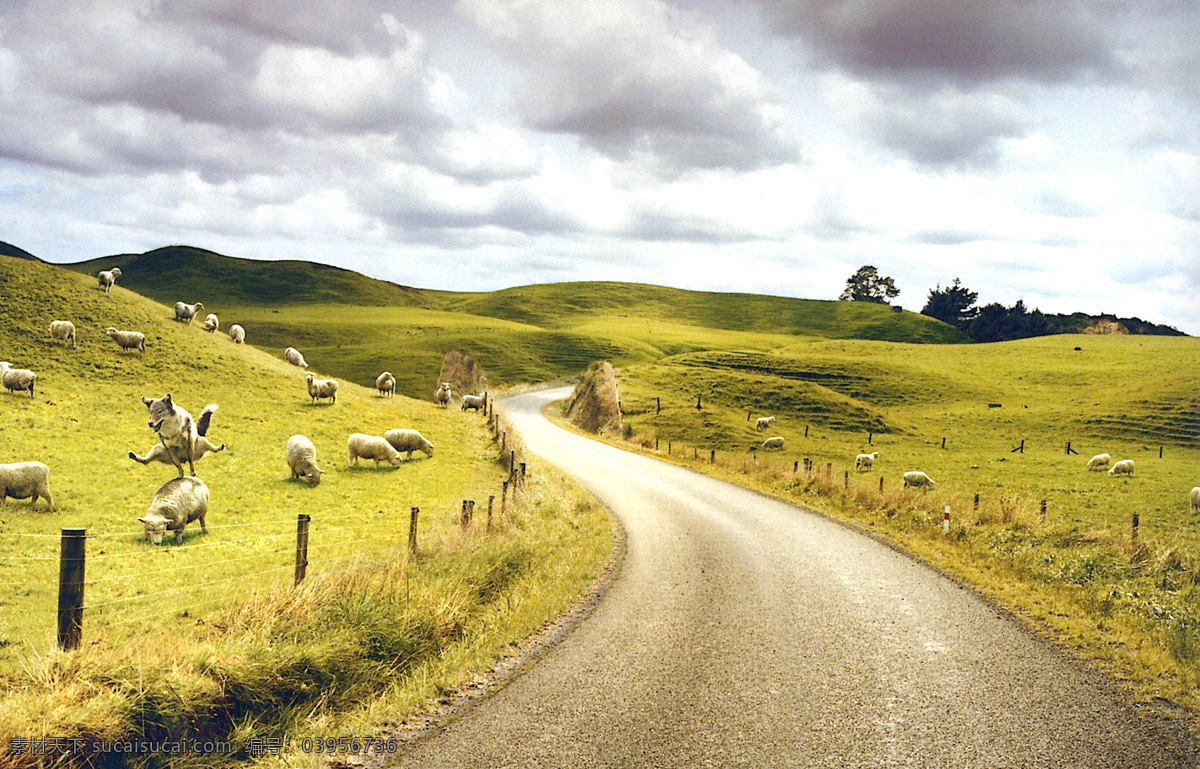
8	249
1081	323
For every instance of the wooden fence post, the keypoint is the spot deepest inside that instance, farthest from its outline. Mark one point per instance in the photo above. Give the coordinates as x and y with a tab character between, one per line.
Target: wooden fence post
301	547
977	502
881	484
465	517
658	405
70	588
1043	510
806	431
846	481
1134	533
697	403
491	500
712	456
412	530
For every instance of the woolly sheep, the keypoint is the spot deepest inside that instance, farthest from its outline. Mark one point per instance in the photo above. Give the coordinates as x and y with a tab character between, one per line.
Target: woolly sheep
106	279
773	443
917	479
302	459
1195	499
211	323
408	440
26	479
128	340
15	379
184	312
64	330
441	395
322	388
762	423
385	383
472	402
371	447
1124	467
865	461
293	356
237	334
177	503
1098	462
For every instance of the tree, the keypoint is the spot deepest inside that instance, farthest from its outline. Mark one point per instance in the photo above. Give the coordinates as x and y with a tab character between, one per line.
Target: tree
867	285
953	304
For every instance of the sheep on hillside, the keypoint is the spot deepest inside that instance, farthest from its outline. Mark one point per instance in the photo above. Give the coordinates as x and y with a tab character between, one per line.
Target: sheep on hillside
15	379
177	503
371	447
1194	497
64	330
321	388
293	356
1124	467
128	340
407	440
385	383
237	334
1098	462
472	402
762	423
185	312
211	323
302	459
22	480
917	479
106	279
441	396
773	443
865	461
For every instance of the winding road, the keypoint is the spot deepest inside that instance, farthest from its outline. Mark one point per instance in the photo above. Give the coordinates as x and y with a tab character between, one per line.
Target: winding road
746	632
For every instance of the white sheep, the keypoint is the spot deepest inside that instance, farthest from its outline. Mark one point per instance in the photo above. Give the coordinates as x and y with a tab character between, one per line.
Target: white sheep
237	334
106	279
211	323
21	480
472	402
321	388
185	312
1098	462
371	447
1195	499
1124	467
293	356
385	383
128	340
64	330
441	396
775	442
407	440
15	379
762	423
302	459
865	461
177	503
917	479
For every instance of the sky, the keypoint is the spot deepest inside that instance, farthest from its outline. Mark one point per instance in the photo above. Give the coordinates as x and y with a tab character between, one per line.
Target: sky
1037	150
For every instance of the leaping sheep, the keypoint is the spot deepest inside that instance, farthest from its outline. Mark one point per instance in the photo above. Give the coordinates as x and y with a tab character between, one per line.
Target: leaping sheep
26	480
321	388
17	379
106	279
63	330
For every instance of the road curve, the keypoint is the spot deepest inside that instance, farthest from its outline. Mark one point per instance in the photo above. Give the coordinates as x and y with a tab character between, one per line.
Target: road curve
744	631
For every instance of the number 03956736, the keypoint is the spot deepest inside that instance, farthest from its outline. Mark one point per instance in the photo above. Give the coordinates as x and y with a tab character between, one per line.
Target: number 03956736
329	745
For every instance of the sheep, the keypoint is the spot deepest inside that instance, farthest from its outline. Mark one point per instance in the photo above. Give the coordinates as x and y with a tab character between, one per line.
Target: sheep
865	461
917	479
185	312
237	334
201	445
177	503
302	459
762	423
371	447
15	379
211	323
293	356
408	440
106	279
472	402
322	388
1124	467
386	384
128	340
773	443
26	479
64	330
1098	462
441	396
1195	499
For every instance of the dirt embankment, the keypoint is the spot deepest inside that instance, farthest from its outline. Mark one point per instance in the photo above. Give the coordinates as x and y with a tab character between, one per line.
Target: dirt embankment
595	405
465	376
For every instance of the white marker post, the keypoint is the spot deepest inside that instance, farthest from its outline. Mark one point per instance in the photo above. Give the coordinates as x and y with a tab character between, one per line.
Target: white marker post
946	521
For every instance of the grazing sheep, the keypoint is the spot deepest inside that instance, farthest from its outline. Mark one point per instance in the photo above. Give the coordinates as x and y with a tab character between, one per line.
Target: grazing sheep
386	384
211	323
917	479
1098	462
302	459
1124	467
472	402
237	334
64	330
371	447
177	503
865	461
128	340
773	443
321	388
15	379
201	446
293	356
407	440
441	396
185	312
1195	499
762	423
25	479
106	279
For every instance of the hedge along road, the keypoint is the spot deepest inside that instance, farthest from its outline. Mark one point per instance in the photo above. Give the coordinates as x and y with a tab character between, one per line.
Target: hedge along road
744	631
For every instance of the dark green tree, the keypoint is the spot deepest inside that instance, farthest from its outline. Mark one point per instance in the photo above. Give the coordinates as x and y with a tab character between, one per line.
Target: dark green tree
953	304
867	285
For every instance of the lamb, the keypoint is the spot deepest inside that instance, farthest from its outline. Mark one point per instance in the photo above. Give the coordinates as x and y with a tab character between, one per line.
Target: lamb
441	396
64	330
237	334
185	312
293	356
472	402
371	447
773	443
865	461
106	279
302	459
15	379
1124	467
762	423
1195	499
128	340
211	323
29	479
1098	462
201	445
408	440
322	388
917	479
386	384
177	503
